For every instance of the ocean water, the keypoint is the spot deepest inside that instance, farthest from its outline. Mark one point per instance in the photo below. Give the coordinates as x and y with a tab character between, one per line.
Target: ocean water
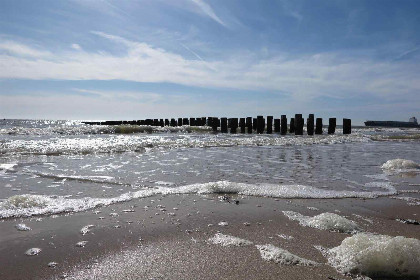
49	167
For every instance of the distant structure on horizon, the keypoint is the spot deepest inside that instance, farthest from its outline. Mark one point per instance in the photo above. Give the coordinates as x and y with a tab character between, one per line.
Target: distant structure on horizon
412	122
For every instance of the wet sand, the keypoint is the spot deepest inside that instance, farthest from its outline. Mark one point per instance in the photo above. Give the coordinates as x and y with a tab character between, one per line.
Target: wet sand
156	241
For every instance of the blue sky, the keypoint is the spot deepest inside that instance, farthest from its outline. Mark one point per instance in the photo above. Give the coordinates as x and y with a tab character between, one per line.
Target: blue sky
109	59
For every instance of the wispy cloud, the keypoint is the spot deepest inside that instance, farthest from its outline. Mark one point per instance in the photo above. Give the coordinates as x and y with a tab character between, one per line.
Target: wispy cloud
138	96
14	48
407	54
208	10
305	77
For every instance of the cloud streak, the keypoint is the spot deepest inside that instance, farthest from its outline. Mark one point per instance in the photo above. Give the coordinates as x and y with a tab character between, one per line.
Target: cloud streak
304	78
208	10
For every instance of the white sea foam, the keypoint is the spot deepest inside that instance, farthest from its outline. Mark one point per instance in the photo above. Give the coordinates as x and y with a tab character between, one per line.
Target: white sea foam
281	256
400	164
33	252
325	221
228	240
377	256
7	166
86	229
81	244
28	205
284	236
22	227
412	201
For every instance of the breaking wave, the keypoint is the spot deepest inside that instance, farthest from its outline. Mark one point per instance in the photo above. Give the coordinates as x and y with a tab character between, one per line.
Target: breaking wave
29	205
400	164
140	143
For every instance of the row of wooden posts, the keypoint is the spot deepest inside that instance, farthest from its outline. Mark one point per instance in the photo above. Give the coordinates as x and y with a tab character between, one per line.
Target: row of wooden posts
249	124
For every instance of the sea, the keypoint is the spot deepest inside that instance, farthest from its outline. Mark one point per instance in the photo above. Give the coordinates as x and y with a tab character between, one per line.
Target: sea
50	167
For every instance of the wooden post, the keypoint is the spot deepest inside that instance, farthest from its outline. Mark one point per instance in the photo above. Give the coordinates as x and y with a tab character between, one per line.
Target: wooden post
223	125
179	121
269	124
192	122
242	124
260	124
173	122
292	125
248	124
310	124
148	122
283	127
203	121
298	124
185	121
331	125
166	122
276	125
254	123
215	124
233	125
346	126
318	129
162	124
210	121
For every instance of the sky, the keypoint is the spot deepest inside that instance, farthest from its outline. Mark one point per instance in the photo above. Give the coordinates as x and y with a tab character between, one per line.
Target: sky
129	60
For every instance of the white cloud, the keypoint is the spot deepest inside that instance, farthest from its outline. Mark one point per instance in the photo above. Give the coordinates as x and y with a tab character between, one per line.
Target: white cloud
76	47
304	78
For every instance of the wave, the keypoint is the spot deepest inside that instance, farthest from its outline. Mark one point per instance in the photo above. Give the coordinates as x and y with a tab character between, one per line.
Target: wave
136	143
99	129
27	205
90	179
400	164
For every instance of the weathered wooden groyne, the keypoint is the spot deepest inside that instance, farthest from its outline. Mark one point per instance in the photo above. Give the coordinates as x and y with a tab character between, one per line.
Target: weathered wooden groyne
249	125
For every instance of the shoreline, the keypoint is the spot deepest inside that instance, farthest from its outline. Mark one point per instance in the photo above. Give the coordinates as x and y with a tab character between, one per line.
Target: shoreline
161	234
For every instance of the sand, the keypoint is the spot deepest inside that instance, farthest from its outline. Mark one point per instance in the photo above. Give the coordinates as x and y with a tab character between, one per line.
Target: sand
166	237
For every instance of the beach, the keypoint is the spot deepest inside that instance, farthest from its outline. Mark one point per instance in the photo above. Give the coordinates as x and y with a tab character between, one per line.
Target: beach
190	204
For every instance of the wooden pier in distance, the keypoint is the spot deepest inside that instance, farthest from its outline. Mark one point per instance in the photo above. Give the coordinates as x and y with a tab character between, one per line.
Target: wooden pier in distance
248	125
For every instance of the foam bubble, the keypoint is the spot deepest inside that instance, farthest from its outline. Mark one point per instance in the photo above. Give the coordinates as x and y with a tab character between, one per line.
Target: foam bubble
400	164
325	221
86	229
228	240
377	256
81	244
284	236
33	252
22	227
281	256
